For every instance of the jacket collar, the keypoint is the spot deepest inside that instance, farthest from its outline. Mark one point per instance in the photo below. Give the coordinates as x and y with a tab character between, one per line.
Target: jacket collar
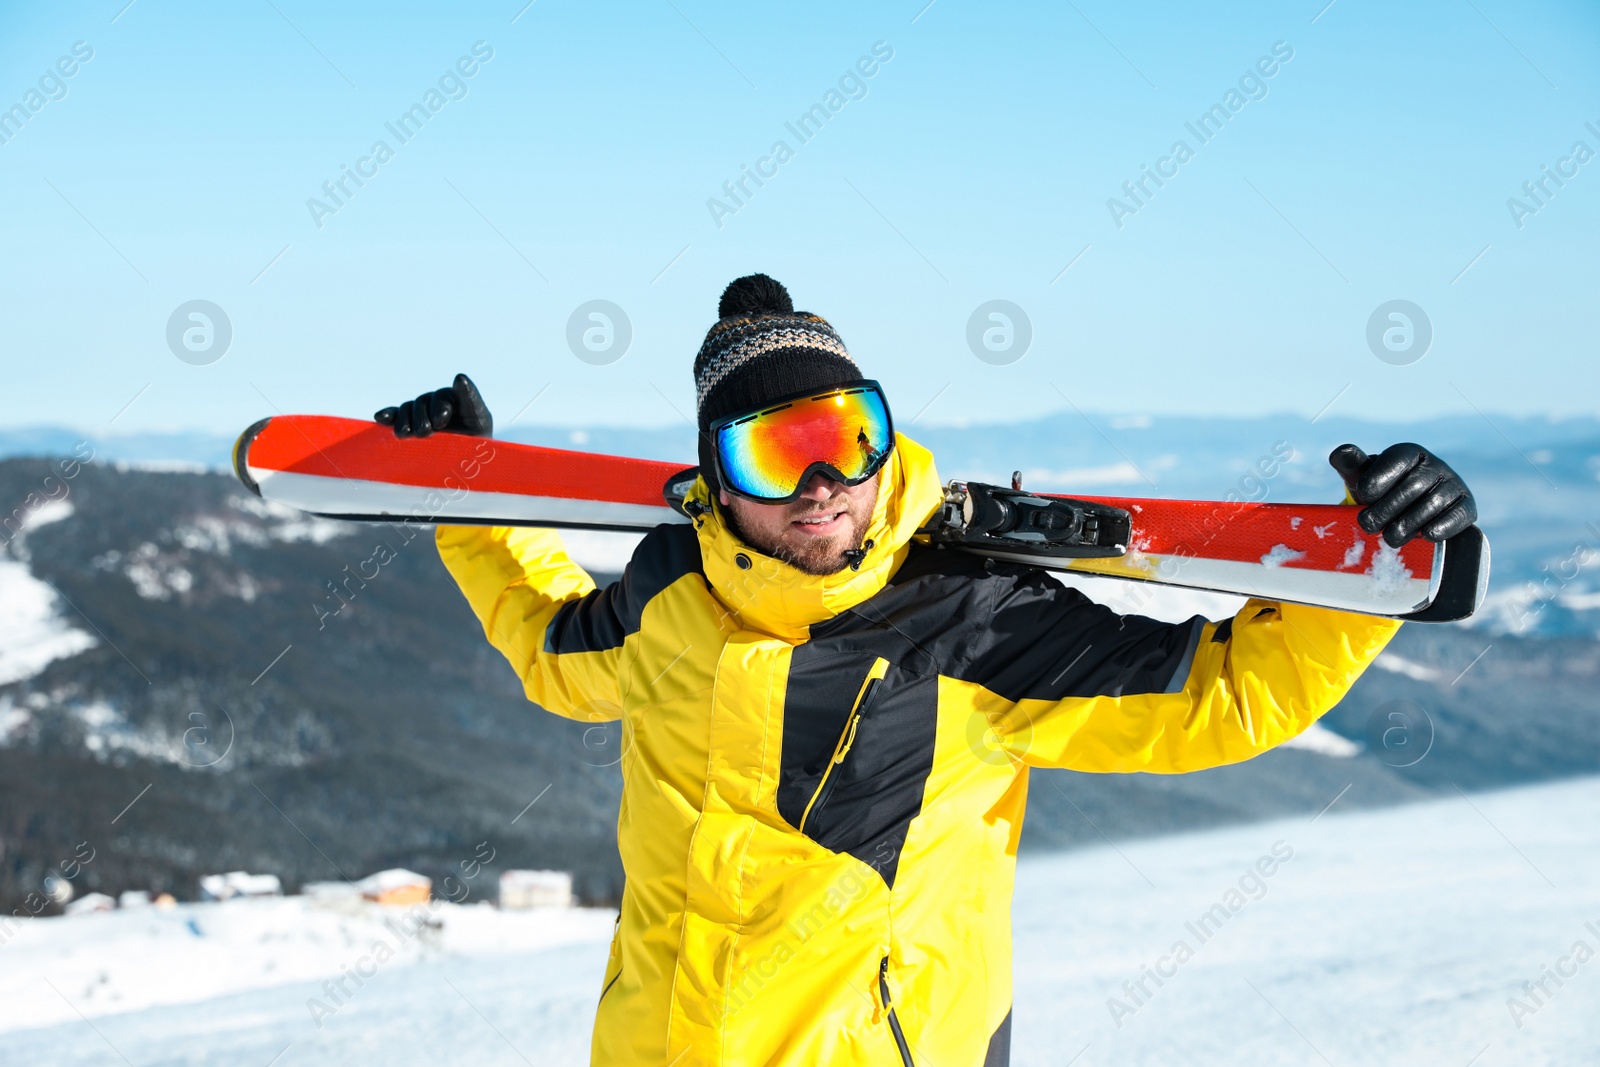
771	596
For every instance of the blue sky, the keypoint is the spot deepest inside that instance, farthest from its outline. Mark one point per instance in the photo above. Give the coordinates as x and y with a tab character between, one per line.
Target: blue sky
976	164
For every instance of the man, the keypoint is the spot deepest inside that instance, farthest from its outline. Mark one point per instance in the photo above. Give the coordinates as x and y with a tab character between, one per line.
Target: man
828	723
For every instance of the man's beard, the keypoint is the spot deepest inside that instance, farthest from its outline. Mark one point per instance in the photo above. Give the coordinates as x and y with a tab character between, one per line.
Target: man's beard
814	556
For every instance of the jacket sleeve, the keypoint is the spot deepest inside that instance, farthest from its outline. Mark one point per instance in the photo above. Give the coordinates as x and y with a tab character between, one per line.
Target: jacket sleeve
1090	690
544	614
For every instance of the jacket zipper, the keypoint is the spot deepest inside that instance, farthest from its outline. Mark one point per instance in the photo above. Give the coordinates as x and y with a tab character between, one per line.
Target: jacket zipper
840	750
888	1010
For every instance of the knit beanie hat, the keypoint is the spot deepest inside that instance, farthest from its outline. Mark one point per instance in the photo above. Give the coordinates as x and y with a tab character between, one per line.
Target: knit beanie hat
762	349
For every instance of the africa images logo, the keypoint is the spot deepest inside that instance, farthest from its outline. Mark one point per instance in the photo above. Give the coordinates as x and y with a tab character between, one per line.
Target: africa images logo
451	86
52	85
1399	332
199	332
852	85
599	332
1252	85
999	332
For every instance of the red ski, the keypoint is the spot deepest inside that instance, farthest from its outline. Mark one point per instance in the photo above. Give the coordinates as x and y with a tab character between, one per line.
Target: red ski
1304	553
358	470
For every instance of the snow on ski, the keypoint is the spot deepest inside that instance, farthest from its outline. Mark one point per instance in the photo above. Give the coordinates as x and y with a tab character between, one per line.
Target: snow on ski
1311	553
1303	553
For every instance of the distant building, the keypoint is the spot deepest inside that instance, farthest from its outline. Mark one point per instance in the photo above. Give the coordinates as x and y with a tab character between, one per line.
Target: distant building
90	902
535	889
239	884
397	887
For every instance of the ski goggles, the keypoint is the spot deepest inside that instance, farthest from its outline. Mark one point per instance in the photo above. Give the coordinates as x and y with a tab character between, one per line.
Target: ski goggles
769	454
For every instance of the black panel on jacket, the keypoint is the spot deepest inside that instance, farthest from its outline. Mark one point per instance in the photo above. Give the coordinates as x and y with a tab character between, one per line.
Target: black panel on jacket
1013	630
603	619
874	793
870	798
1007	627
822	688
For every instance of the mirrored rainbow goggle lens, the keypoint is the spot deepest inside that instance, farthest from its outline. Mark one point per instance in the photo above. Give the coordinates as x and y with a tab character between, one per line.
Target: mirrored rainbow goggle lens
766	454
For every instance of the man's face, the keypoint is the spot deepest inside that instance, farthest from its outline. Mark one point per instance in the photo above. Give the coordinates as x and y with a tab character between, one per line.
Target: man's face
811	533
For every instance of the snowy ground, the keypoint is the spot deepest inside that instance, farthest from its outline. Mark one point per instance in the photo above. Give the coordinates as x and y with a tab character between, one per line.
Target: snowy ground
55	970
1390	937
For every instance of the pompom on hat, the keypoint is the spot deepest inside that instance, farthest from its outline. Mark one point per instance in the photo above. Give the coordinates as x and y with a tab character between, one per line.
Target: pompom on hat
759	350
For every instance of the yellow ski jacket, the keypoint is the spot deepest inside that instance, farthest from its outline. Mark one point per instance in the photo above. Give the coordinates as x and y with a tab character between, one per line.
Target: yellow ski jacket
824	777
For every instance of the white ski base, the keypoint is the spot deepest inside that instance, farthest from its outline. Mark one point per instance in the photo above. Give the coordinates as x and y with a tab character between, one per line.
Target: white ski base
1352	591
355	498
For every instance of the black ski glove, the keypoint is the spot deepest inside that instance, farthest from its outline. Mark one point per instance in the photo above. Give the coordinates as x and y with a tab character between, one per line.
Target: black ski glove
1407	490
458	409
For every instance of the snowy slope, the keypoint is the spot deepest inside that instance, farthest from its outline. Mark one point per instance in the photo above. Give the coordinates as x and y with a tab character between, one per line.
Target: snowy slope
1389	937
123	961
32	618
31	613
1384	937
